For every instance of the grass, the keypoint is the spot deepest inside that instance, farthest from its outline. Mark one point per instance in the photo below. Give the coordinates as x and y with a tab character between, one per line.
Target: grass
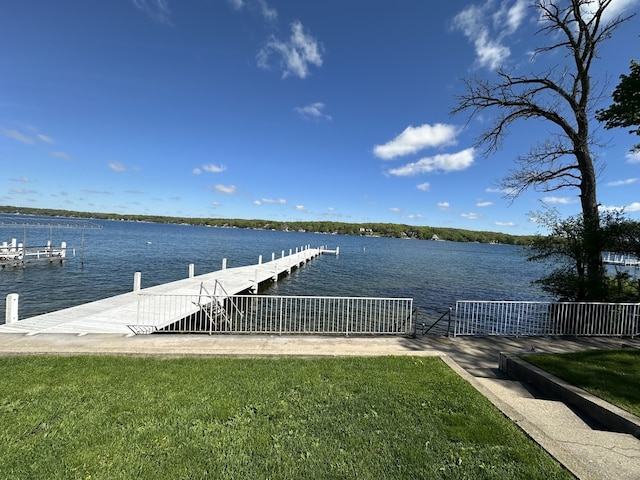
613	375
98	417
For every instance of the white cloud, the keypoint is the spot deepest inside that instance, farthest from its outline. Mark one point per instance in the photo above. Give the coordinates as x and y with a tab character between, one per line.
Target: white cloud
425	187
296	55
619	183
236	4
21	191
313	111
443	205
469	216
632	207
21	179
61	155
269	14
487	29
158	10
559	200
514	15
395	210
96	192
484	204
448	162
212	168
117	167
196	171
615	8
503	191
256	202
413	139
633	157
504	224
44	138
16	135
226	189
277	201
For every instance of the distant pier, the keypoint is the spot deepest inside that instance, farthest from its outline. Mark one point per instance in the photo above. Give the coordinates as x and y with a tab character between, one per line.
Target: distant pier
13	254
622	260
117	314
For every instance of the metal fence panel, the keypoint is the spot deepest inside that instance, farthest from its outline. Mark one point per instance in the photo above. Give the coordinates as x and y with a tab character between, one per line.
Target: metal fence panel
265	314
546	318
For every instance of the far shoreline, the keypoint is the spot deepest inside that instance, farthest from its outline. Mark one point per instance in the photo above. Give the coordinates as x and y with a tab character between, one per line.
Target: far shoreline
368	229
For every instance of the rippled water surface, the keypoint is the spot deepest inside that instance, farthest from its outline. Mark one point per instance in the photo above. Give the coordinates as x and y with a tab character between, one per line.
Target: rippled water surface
434	274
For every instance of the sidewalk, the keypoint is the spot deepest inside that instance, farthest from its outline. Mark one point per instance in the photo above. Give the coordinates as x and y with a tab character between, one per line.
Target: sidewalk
589	453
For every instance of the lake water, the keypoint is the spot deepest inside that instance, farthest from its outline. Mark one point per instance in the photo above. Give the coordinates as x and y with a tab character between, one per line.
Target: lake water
434	274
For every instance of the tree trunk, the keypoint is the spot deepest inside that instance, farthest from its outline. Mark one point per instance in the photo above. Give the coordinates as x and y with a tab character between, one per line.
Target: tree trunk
592	231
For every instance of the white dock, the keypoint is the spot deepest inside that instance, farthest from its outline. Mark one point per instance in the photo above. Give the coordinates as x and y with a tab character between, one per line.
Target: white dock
118	314
621	260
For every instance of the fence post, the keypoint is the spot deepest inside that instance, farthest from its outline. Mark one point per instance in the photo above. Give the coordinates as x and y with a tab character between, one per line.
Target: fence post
137	281
11	313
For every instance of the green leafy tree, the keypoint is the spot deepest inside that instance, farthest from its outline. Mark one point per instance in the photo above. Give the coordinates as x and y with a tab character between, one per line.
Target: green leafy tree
625	110
561	97
564	249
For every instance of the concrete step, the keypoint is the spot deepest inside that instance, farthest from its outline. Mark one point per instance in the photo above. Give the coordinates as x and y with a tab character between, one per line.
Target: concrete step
604	455
506	388
613	456
549	415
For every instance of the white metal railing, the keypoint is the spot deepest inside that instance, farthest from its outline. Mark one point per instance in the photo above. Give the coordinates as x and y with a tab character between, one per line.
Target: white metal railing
546	318
265	314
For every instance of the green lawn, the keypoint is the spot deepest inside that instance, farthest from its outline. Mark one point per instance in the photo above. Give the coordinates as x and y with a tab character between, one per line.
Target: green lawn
99	417
613	375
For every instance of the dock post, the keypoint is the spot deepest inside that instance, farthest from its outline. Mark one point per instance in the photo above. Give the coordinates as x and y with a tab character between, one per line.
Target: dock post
254	288
282	253
63	250
191	270
224	264
260	260
137	281
273	256
11	313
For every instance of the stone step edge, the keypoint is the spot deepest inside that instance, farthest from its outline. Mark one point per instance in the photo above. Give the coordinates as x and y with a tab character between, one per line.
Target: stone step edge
608	415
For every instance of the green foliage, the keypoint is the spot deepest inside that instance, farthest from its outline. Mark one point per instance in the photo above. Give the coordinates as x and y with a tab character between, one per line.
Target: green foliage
625	109
613	375
190	418
565	249
391	230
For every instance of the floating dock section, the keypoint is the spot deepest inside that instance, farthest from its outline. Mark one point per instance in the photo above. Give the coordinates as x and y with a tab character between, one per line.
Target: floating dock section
118	314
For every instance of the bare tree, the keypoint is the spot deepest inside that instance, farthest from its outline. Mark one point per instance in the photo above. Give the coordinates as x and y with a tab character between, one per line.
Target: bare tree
562	97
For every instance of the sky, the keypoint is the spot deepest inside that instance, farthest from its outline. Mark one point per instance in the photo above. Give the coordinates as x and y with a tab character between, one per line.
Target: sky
315	110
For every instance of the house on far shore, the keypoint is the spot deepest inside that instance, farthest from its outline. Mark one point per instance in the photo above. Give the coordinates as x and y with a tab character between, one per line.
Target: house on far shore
435	237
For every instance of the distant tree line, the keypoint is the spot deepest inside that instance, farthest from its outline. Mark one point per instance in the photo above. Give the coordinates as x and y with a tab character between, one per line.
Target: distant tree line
391	230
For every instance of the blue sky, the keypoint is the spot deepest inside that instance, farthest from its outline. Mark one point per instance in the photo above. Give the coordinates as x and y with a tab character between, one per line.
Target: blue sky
280	110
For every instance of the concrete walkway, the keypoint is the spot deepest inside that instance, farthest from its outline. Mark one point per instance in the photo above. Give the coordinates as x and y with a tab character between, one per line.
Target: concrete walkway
584	449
